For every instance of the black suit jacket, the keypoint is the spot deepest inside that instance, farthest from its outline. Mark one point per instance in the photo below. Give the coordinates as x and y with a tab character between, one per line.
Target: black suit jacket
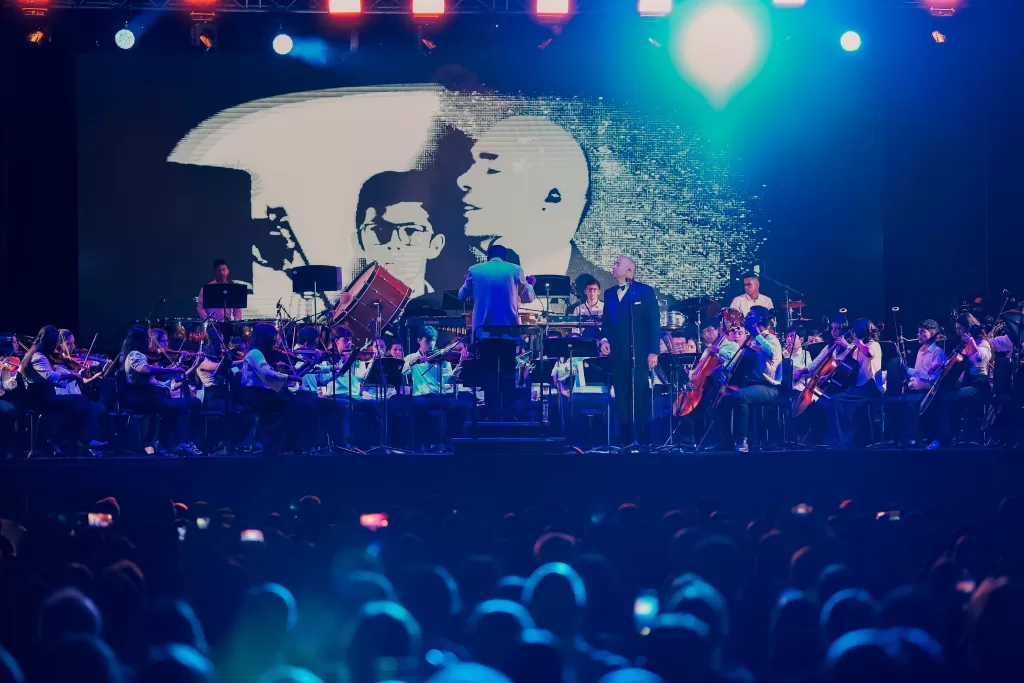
646	320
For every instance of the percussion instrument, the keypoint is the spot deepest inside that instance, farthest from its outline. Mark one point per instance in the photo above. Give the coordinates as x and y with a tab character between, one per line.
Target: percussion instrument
792	304
672	320
374	300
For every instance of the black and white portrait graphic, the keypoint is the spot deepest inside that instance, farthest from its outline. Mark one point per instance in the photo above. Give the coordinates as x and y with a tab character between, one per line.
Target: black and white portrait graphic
422	180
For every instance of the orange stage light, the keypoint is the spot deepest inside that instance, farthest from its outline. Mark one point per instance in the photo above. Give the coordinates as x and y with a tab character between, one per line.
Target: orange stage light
344	6
431	7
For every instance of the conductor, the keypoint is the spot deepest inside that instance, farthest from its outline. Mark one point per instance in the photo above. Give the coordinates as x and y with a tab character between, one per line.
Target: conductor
497	288
632	326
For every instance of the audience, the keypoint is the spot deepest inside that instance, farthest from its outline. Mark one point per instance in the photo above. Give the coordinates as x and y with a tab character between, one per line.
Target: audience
186	593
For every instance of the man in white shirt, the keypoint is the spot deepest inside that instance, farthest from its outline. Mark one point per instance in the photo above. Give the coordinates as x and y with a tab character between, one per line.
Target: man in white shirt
973	385
429	386
758	381
592	305
220	277
920	378
751	295
800	357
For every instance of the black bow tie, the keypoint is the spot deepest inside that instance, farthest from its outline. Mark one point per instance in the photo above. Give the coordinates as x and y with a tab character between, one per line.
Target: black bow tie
622	288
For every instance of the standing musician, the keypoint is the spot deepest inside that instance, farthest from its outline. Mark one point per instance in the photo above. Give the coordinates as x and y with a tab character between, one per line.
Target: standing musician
751	296
220	277
497	288
866	354
264	392
631	316
80	417
972	386
592	305
145	393
757	376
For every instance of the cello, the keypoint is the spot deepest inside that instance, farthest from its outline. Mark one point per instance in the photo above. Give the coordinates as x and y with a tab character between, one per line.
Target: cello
831	377
689	398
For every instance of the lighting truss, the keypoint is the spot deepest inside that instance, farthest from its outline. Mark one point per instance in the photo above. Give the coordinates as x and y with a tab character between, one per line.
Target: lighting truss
369	6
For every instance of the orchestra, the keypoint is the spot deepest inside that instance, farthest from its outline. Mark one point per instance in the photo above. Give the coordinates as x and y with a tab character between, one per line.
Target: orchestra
294	386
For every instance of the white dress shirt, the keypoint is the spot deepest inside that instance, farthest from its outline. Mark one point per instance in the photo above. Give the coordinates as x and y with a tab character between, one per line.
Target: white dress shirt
870	368
929	358
586	309
979	365
801	361
744	303
425	379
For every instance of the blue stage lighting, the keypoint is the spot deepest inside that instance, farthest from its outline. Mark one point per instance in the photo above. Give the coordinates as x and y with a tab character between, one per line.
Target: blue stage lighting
124	39
283	43
850	41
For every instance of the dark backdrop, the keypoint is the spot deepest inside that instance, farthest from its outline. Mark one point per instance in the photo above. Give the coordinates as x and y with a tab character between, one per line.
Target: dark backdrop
930	132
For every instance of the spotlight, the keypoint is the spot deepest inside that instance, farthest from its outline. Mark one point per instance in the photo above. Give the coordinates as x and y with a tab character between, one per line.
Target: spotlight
850	41
282	43
124	39
204	32
430	7
344	6
552	6
938	37
789	3
36	37
654	8
720	45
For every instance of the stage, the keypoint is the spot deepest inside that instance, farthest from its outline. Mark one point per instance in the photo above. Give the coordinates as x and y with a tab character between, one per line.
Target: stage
967	480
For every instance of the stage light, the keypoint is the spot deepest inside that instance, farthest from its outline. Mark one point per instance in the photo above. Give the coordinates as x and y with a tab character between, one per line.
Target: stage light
282	43
36	37
719	45
789	3
344	6
204	32
124	39
432	7
938	37
654	8
850	41
552	6
942	8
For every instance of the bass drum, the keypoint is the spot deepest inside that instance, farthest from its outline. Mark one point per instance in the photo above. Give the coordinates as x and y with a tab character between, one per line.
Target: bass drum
372	302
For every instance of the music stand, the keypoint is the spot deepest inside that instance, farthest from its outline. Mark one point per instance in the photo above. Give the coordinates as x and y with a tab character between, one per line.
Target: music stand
316	280
227	296
384	373
552	287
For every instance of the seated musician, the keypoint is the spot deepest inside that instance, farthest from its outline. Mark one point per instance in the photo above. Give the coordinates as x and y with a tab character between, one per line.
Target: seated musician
920	379
751	296
68	362
756	376
349	383
682	344
972	387
429	385
718	341
837	329
147	390
850	410
592	305
395	351
801	357
263	392
79	417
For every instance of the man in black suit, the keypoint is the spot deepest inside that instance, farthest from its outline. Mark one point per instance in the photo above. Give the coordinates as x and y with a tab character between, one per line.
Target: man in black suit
631	304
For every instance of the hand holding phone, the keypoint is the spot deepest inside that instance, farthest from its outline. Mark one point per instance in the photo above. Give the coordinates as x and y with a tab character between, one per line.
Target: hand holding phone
373	520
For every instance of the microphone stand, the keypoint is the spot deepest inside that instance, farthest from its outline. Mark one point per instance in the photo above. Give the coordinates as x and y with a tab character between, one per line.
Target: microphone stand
789	290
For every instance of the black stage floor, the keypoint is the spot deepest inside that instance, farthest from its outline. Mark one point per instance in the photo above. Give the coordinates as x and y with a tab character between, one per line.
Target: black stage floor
743	483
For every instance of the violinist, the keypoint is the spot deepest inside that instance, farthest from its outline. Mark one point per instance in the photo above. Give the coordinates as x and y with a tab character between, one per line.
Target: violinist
757	376
349	383
79	416
972	387
396	351
147	391
263	392
429	377
850	415
67	359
